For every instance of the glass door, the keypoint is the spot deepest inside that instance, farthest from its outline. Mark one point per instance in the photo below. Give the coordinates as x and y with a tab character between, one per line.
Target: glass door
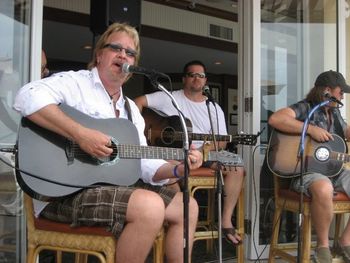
297	43
296	40
16	33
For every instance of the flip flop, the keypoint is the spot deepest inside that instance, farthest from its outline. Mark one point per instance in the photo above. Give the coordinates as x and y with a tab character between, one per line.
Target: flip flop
230	231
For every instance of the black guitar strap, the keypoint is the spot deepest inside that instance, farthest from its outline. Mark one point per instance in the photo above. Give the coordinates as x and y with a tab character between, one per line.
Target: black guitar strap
128	109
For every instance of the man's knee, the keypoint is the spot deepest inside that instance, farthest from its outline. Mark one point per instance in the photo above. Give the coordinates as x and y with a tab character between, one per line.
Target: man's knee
321	190
147	205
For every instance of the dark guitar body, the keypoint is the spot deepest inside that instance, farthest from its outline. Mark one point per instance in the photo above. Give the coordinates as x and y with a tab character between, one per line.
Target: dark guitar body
166	131
326	158
162	130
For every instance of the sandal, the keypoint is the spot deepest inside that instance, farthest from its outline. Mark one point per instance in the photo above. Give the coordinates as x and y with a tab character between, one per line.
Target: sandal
230	231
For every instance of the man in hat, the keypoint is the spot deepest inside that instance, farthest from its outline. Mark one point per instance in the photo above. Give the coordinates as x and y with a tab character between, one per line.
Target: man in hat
324	122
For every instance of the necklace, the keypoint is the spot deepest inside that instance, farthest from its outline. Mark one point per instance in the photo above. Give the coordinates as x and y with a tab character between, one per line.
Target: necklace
112	95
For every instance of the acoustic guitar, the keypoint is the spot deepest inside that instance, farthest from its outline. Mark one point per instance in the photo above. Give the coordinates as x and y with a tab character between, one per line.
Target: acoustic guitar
163	130
45	158
326	158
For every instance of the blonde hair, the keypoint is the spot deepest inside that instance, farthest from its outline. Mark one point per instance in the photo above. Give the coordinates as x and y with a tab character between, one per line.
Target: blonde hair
116	27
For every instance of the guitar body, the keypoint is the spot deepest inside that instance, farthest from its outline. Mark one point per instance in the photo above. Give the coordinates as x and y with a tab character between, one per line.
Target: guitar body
50	166
326	158
162	130
166	131
46	154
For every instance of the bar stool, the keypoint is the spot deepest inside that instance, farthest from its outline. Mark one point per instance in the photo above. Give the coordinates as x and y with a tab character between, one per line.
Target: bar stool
288	200
44	234
204	178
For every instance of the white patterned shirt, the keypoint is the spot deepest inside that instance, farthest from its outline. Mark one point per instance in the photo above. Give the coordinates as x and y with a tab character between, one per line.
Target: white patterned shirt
84	91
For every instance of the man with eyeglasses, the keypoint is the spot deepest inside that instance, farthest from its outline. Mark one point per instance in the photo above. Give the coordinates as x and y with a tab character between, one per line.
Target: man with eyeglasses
324	123
192	103
134	214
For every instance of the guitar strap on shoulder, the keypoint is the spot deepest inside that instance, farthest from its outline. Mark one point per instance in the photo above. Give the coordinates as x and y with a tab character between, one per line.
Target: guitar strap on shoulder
127	106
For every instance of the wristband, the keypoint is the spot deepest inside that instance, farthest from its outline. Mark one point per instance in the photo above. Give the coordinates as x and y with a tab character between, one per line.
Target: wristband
175	172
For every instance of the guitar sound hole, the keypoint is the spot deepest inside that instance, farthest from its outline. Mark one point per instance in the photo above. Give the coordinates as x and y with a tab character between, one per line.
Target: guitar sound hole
322	154
168	136
113	158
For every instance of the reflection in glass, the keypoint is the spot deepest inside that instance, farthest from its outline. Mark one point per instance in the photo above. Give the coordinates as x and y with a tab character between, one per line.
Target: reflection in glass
14	72
14	62
298	41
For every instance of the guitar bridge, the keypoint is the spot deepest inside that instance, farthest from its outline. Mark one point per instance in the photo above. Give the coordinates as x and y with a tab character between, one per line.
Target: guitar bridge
69	151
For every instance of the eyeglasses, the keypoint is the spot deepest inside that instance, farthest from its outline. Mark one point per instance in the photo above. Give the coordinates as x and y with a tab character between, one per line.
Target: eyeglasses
118	48
198	75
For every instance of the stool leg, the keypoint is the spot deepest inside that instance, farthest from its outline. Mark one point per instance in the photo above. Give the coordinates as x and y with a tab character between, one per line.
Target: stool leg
30	255
210	219
158	248
306	246
338	221
81	258
58	256
275	232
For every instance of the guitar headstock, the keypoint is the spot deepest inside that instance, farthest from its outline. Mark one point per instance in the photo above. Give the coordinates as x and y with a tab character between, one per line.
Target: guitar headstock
223	157
245	139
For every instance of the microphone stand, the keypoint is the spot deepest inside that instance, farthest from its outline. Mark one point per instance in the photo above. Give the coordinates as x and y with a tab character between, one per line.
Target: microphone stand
301	157
219	183
156	84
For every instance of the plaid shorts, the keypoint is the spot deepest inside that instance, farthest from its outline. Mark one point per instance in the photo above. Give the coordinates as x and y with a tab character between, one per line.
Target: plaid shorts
100	206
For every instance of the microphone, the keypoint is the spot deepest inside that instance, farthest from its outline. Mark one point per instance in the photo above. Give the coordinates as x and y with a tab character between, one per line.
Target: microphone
206	92
331	98
126	68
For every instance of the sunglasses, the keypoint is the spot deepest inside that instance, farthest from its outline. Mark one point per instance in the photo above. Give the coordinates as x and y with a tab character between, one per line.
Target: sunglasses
198	75
118	48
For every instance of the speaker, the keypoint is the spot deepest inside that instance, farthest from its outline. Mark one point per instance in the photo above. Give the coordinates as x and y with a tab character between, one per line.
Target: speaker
105	12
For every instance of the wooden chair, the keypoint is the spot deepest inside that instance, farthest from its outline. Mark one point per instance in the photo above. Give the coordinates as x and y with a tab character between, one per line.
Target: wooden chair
8	187
44	234
204	178
288	200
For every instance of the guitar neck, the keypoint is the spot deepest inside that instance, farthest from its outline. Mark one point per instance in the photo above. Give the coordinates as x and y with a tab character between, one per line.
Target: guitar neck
209	137
149	152
342	157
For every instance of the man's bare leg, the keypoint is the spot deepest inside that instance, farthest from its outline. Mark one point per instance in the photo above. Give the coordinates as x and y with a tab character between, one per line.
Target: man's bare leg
144	217
175	235
233	181
321	210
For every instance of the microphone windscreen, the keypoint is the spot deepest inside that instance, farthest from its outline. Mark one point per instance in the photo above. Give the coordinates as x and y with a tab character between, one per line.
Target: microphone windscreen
206	89
125	68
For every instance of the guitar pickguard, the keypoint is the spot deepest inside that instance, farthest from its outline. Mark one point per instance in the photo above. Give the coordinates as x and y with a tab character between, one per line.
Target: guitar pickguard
322	154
